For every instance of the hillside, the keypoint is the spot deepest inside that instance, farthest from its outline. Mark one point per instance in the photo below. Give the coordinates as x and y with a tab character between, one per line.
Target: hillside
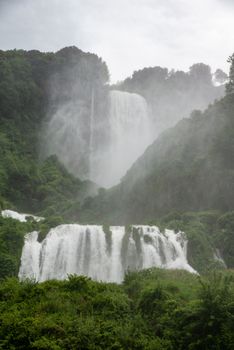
117	178
29	180
183	181
188	167
172	95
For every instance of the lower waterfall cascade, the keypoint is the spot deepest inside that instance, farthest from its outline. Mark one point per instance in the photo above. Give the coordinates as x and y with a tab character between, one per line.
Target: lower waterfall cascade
102	254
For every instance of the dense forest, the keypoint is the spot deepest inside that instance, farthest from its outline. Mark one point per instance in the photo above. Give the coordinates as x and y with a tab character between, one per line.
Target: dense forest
28	180
184	181
153	310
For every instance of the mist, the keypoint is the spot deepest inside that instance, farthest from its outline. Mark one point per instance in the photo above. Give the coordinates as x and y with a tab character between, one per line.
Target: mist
172	95
116	163
97	133
98	130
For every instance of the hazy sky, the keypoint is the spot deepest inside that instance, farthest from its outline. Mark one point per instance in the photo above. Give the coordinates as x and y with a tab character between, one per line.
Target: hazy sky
127	34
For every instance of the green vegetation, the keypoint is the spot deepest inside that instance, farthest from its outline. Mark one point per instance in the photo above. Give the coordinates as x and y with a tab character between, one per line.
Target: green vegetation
11	243
28	182
184	181
12	234
172	95
210	238
190	167
152	309
207	238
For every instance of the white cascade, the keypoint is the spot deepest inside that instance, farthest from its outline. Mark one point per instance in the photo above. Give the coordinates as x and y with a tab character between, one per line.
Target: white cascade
104	256
100	148
129	135
7	213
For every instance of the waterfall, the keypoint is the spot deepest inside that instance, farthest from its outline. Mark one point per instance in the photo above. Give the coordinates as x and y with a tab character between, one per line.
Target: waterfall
104	255
67	136
91	136
129	134
99	147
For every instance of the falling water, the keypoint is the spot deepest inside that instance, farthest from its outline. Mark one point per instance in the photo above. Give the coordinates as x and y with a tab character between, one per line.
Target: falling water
91	137
130	134
100	148
103	255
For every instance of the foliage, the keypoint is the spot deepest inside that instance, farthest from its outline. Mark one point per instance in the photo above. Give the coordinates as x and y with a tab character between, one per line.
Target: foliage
188	168
172	95
230	85
224	237
26	182
12	233
11	242
169	310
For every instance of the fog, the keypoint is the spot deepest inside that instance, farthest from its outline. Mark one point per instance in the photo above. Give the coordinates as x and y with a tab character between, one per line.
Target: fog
97	133
99	130
173	95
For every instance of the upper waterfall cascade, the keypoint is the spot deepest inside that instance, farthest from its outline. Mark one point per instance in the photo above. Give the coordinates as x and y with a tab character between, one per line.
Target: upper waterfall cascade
130	133
104	255
100	148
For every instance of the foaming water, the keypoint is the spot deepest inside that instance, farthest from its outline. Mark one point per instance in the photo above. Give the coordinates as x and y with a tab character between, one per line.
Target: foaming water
104	256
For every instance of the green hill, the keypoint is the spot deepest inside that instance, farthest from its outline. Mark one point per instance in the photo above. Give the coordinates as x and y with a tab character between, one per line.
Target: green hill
184	180
28	182
190	167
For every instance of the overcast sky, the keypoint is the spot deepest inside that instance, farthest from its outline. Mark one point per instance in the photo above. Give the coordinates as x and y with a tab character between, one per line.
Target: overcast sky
127	34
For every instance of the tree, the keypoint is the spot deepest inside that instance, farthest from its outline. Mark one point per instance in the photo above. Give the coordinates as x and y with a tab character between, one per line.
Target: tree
201	73
220	76
230	84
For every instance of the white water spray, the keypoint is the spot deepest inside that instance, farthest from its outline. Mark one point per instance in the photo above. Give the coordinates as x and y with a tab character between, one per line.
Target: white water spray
100	148
104	256
130	134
